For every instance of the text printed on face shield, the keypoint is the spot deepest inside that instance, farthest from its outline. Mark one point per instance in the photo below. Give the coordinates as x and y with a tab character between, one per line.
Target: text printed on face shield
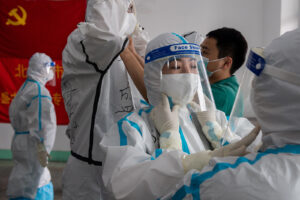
184	47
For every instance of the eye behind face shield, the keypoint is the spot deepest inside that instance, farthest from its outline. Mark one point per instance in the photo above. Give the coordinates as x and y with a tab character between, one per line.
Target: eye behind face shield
183	61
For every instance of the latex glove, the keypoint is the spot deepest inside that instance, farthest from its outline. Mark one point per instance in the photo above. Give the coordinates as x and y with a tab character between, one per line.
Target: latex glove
42	154
167	123
210	127
201	159
140	39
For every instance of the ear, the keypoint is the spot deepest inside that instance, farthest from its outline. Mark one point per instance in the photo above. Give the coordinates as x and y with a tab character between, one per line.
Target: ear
227	63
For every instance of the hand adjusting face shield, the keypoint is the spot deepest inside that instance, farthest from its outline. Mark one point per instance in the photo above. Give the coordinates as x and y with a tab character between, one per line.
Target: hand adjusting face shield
176	56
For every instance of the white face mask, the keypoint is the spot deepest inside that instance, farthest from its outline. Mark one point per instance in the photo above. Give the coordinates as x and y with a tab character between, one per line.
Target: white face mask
206	61
180	87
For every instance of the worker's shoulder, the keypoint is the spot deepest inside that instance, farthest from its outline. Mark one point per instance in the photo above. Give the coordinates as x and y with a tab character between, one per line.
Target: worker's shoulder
227	86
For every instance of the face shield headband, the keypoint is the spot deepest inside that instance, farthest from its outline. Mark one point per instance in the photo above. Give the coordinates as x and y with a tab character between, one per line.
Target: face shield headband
256	63
173	50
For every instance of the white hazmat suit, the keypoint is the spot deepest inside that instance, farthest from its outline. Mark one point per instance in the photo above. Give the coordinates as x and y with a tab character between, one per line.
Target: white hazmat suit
136	166
33	118
273	172
97	91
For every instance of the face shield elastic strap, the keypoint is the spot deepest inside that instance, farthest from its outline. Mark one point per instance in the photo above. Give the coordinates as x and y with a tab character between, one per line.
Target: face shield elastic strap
173	50
257	64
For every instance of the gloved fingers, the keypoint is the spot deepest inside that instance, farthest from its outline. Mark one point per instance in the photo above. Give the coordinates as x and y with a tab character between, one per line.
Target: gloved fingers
208	103
247	140
206	116
165	101
225	151
175	109
240	151
43	158
194	106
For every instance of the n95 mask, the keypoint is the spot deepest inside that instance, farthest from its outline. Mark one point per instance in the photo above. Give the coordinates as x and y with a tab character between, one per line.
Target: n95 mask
180	87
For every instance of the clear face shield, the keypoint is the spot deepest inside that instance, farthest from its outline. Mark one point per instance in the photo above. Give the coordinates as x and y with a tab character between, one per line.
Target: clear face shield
242	118
183	75
50	71
206	89
242	114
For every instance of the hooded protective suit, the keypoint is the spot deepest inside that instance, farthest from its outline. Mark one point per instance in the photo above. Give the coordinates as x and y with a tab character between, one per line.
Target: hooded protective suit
97	91
33	118
273	172
135	166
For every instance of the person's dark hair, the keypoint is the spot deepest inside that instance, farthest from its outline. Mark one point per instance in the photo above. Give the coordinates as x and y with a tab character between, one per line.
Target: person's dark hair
230	42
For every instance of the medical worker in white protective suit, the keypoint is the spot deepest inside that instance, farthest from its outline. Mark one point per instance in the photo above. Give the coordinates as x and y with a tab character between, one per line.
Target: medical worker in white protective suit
33	119
273	171
97	89
139	162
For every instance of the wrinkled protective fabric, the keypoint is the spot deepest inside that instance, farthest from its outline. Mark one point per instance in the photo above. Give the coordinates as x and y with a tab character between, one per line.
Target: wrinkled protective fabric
102	12
273	172
265	175
33	118
140	39
97	92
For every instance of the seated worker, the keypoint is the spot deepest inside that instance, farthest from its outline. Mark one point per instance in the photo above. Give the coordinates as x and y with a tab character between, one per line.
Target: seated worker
273	171
143	163
225	50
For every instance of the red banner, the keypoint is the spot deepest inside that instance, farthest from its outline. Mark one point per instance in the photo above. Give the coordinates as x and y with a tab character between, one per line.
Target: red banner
29	26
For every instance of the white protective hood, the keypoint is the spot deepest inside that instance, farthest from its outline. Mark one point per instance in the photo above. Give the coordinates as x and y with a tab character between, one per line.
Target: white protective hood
37	69
276	103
